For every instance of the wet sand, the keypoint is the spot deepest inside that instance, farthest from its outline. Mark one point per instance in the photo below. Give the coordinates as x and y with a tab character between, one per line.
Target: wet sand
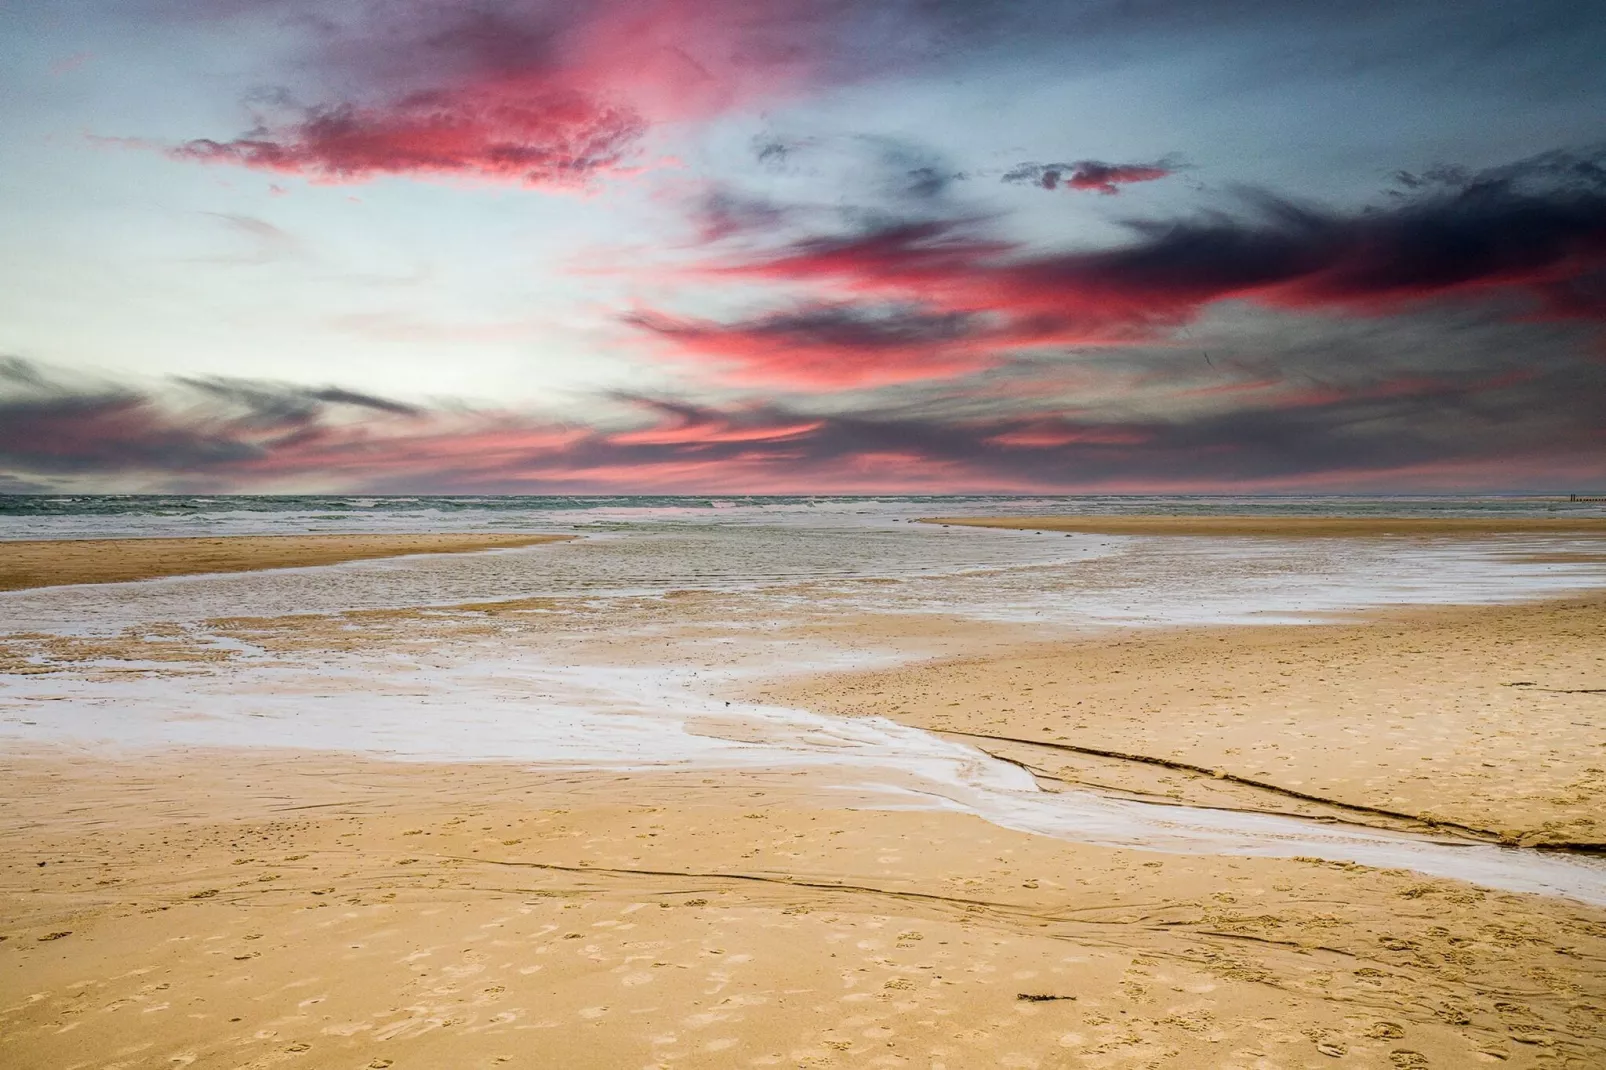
215	909
1286	526
49	562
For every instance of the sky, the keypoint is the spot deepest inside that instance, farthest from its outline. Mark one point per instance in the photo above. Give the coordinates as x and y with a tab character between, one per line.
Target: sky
802	246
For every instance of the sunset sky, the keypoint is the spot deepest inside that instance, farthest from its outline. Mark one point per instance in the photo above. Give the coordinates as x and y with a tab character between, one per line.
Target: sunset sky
749	246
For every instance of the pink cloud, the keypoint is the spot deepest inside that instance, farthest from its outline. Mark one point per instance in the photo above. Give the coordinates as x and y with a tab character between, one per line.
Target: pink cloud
1108	178
530	135
522	91
1094	175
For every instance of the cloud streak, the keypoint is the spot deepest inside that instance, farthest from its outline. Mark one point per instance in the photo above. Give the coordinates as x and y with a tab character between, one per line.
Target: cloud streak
1095	175
1407	429
826	347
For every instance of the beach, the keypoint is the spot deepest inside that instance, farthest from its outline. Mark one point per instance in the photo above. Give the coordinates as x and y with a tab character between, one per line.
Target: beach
318	911
49	562
1149	802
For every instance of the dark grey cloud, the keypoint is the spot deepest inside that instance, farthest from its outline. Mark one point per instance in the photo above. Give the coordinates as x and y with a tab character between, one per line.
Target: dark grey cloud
56	424
263	403
723	212
16	485
826	346
872	166
1094	175
19	374
851	326
1535	228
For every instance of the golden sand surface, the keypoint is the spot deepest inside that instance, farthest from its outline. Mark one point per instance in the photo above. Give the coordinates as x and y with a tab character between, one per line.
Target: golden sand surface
49	562
1491	718
1286	526
282	910
264	909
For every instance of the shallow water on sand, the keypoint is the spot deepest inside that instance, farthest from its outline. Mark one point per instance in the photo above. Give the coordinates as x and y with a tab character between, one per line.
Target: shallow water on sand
472	704
877	565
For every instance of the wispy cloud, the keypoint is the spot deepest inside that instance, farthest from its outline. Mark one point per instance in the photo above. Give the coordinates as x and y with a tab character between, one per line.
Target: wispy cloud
535	136
1095	175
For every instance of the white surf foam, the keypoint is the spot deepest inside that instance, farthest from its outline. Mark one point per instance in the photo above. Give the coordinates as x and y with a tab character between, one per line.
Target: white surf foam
631	718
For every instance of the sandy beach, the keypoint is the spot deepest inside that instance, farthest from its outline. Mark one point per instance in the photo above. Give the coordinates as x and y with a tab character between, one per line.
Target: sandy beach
310	910
184	905
47	562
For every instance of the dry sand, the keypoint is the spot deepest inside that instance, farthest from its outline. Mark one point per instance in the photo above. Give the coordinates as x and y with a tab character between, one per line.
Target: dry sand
274	910
48	562
1287	526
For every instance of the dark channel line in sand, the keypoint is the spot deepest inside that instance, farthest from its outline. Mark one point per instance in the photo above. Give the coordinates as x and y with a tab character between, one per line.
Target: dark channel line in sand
1568	690
1139	795
1005	913
1016	917
1206	945
1488	836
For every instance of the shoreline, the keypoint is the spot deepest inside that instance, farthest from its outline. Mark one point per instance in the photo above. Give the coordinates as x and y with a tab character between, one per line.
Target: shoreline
31	563
1284	526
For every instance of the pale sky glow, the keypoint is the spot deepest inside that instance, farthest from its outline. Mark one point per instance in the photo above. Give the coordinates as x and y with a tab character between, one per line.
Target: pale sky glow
1036	245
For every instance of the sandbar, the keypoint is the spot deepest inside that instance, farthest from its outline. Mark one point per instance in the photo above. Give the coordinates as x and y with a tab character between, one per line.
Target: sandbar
53	562
1487	720
1286	526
